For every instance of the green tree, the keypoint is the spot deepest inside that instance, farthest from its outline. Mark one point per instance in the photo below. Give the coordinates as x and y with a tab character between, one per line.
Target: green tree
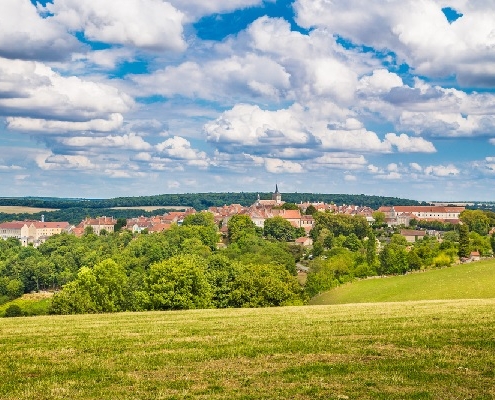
379	218
204	218
464	250
393	259
265	285
240	225
311	210
476	220
279	228
178	283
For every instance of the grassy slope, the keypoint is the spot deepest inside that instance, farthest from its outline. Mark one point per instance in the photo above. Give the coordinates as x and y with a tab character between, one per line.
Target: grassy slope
467	281
412	350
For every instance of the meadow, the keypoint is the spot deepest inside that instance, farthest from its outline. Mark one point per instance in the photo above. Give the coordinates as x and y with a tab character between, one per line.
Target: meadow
463	281
24	210
408	350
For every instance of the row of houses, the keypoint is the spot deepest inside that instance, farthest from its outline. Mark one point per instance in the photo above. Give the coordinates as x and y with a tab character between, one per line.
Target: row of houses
32	232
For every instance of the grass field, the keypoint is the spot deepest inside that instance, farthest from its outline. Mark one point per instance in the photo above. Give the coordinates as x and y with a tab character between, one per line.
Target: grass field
31	304
21	210
465	281
151	208
412	350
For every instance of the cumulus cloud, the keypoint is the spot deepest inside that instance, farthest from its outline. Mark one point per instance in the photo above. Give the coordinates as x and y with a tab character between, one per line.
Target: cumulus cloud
250	75
418	32
32	87
441	170
406	144
195	9
35	97
146	24
25	35
129	142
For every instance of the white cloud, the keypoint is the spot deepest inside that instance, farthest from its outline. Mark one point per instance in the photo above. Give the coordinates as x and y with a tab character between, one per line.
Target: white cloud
418	32
277	166
113	122
441	170
416	167
146	24
406	144
33	91
249	76
130	142
26	35
195	9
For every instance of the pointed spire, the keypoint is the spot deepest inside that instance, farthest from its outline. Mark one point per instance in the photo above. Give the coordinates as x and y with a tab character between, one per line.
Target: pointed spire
276	188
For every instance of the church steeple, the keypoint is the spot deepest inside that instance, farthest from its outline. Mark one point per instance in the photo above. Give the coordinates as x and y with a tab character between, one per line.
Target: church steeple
277	196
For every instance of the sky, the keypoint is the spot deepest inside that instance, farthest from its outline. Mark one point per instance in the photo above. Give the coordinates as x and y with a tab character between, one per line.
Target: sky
100	99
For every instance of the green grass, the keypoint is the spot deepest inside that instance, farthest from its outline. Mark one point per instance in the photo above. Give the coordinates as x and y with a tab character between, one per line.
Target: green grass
411	350
465	281
30	305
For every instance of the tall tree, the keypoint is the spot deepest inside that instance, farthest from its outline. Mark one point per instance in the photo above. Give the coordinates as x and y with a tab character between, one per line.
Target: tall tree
463	251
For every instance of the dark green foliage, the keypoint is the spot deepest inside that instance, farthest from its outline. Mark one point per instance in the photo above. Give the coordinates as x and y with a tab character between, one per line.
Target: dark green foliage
463	241
311	210
13	311
393	260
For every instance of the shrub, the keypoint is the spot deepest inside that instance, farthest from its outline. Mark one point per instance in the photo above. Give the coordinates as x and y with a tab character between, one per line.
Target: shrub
13	311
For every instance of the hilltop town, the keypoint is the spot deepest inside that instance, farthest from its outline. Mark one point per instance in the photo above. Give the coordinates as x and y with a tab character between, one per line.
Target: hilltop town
31	232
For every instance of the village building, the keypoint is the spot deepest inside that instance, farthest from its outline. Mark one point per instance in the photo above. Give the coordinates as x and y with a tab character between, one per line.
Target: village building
32	232
402	215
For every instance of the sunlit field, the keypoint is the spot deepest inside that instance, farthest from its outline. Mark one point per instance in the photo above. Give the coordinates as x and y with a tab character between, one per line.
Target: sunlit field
411	350
465	281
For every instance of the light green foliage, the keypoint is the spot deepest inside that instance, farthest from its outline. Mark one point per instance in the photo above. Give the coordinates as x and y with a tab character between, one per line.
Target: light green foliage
330	272
102	289
340	224
199	219
280	229
480	243
178	283
476	220
240	225
379	218
442	260
352	243
265	285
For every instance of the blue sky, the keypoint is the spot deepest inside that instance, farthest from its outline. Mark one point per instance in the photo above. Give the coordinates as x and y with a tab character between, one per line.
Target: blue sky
141	97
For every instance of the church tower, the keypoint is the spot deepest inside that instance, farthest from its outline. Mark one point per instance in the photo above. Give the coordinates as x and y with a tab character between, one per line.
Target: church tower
277	196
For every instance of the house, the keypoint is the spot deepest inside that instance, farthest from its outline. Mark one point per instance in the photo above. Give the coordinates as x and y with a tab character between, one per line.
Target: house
401	215
98	225
412	235
304	241
475	256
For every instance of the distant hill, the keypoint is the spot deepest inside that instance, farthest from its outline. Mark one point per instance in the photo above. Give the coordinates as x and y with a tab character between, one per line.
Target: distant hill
201	201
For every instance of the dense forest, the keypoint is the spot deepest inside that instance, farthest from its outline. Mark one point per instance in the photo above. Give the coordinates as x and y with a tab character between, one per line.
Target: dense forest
74	210
201	201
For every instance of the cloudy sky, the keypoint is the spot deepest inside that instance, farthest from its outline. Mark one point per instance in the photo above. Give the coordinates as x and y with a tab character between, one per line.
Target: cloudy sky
140	97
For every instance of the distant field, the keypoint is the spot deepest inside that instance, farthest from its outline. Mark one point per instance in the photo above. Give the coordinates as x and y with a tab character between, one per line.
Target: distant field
152	208
412	350
21	209
465	281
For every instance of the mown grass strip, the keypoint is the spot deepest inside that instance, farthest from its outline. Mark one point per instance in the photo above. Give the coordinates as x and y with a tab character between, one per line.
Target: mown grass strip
413	350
